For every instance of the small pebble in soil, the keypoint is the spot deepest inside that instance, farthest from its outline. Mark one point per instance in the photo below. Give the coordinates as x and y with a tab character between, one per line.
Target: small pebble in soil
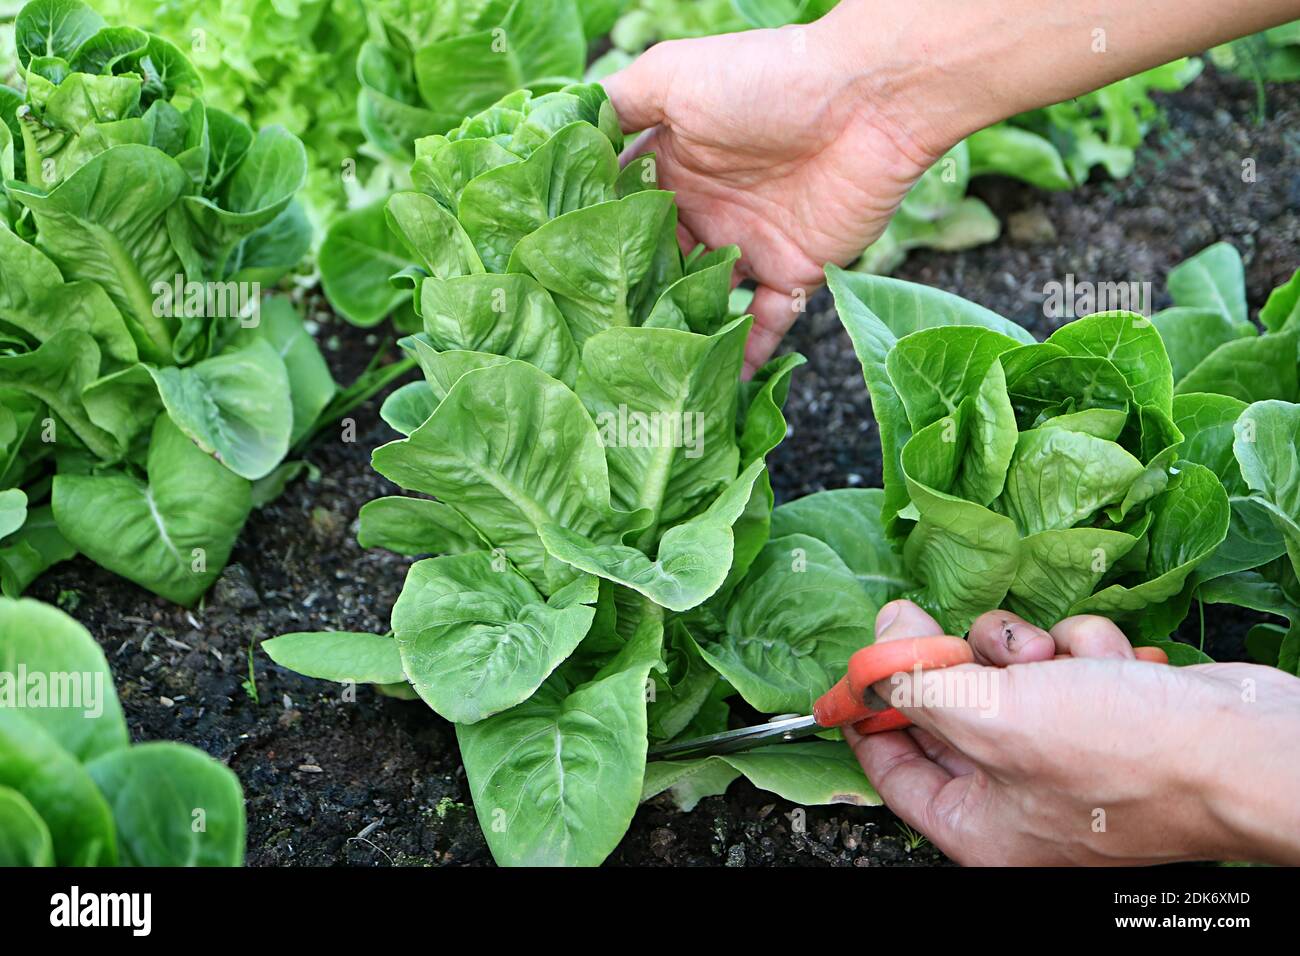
234	589
826	833
661	842
1031	227
850	836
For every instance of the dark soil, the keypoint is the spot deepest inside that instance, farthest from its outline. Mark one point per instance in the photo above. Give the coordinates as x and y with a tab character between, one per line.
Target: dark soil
378	782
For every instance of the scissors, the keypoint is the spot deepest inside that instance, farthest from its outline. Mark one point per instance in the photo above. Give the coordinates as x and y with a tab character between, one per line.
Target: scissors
852	701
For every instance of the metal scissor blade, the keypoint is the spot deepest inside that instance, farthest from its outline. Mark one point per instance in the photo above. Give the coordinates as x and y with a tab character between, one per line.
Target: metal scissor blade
745	738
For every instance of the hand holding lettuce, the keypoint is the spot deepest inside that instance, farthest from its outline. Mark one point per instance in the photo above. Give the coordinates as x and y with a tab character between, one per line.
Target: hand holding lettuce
598	506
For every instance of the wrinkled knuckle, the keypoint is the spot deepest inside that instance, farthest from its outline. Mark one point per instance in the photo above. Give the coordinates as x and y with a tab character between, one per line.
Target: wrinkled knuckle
897	762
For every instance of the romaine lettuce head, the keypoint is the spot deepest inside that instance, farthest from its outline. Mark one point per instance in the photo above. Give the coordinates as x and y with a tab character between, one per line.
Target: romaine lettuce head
549	283
130	181
140	369
1043	477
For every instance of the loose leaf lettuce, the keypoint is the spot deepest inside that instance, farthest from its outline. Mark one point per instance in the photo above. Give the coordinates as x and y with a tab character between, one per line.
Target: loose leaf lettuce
291	65
1236	389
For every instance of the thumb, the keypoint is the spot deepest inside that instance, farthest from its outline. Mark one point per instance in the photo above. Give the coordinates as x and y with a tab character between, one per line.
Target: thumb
902	619
639	90
898	621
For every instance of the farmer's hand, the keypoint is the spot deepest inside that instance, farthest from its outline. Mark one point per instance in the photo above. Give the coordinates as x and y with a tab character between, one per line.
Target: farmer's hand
798	144
1097	759
772	144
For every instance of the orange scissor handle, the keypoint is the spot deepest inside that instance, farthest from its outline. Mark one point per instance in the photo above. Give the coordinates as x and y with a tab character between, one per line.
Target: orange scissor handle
847	701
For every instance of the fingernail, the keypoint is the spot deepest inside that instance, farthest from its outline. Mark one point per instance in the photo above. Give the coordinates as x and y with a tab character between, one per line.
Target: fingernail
1018	638
1009	636
887	616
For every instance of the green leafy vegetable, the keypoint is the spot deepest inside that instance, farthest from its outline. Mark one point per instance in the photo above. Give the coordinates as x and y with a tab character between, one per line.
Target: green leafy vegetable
599	505
425	68
73	791
817	772
139	365
276	64
1235	392
1272	56
1044	477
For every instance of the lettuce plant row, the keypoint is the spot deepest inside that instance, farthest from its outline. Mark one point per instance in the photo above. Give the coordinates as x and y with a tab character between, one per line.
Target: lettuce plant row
601	568
414	82
145	388
394	71
593	594
73	790
597	495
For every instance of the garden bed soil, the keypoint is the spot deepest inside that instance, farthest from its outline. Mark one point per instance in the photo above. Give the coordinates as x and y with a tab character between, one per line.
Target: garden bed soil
378	782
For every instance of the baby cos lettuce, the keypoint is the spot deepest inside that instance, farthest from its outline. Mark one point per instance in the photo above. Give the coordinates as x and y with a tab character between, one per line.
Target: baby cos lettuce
594	492
133	413
1045	477
73	790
